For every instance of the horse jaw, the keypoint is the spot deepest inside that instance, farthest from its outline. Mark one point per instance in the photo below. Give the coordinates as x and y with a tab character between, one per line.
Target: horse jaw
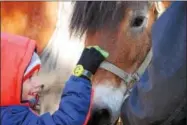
109	97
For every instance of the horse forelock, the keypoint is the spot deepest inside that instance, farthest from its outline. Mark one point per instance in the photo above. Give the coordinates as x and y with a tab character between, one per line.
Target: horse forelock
96	15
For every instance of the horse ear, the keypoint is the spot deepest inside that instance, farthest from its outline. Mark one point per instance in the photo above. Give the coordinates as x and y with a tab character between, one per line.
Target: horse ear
161	6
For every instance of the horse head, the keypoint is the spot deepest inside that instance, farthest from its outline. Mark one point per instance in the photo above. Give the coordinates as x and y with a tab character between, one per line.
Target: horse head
124	30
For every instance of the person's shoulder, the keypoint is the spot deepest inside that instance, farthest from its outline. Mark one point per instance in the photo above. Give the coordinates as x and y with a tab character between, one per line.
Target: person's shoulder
16	114
8	112
14	108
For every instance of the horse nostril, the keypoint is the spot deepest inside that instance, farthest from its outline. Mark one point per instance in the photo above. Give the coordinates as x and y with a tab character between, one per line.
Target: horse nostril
100	117
103	113
137	21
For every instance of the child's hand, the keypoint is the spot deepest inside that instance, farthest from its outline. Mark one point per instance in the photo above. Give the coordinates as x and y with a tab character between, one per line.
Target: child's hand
92	57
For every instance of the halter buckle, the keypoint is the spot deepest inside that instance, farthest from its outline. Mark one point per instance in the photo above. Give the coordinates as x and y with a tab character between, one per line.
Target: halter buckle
132	78
135	77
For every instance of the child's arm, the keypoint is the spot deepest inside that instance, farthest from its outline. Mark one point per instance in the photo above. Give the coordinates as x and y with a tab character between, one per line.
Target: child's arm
74	105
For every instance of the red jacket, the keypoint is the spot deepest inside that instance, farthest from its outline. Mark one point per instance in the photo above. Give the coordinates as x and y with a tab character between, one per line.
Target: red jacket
16	52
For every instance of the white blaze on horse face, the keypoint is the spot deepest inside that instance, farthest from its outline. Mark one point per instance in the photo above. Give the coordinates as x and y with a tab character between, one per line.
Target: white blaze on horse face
110	97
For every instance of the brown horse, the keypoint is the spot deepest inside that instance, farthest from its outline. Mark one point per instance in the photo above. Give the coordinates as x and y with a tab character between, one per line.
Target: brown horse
122	28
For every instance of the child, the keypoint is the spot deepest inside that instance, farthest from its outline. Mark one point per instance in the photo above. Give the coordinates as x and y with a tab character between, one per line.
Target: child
19	90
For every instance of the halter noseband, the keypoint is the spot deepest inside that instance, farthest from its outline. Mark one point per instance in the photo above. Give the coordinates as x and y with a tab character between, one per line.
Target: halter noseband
126	77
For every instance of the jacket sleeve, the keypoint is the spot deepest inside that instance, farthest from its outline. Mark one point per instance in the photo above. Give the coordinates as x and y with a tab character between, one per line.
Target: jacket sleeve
163	86
74	106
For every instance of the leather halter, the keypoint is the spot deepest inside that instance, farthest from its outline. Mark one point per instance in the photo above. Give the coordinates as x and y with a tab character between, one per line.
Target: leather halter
126	77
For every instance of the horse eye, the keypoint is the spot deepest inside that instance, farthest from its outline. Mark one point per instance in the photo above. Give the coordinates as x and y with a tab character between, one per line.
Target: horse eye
138	21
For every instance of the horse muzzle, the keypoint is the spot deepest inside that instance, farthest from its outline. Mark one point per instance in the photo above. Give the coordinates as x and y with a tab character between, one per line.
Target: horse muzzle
100	116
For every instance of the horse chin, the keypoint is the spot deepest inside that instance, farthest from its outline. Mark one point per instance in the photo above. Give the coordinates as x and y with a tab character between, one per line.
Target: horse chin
107	103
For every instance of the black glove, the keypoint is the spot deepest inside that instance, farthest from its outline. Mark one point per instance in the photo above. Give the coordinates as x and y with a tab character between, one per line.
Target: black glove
91	59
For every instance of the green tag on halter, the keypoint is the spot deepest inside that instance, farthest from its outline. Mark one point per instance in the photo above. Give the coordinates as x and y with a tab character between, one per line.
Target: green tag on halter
103	52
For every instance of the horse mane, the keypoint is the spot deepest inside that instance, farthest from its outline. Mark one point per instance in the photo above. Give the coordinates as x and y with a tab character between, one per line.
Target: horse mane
95	15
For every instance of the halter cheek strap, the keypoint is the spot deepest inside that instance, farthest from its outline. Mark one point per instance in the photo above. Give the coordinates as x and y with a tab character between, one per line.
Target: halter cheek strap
126	77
